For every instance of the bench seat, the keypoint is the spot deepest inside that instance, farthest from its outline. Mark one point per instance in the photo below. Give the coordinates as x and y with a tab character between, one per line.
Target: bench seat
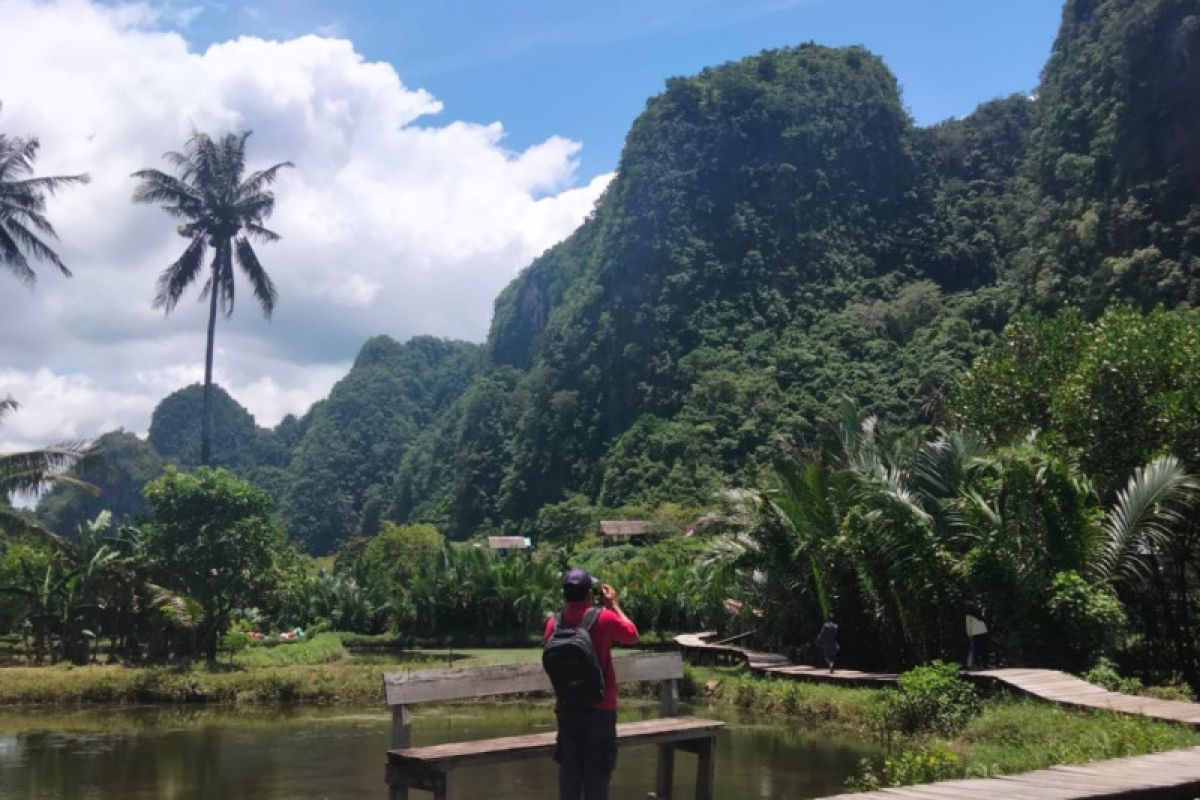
444	757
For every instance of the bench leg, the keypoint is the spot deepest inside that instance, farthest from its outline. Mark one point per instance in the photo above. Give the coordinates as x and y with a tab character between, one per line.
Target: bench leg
397	793
664	784
443	789
706	769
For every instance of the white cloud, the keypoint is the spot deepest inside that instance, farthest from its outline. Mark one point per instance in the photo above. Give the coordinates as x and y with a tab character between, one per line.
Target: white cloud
392	222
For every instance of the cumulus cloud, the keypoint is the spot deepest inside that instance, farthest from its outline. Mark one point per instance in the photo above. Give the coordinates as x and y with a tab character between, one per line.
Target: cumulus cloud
395	220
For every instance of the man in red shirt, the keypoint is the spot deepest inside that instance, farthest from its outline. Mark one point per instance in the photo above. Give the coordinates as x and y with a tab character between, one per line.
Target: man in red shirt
587	738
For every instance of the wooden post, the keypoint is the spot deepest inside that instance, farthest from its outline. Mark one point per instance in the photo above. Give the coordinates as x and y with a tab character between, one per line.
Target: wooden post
443	789
401	738
706	769
668	706
664	783
668	698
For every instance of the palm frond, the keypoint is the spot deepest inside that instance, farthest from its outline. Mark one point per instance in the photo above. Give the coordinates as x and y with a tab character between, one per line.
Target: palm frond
177	198
31	471
262	179
175	279
12	257
49	184
1142	521
34	245
261	233
264	287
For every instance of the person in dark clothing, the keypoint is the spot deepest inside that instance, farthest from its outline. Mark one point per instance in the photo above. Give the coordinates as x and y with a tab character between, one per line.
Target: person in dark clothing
977	635
827	641
586	749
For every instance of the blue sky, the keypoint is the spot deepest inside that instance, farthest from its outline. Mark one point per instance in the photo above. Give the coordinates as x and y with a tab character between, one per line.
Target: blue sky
583	69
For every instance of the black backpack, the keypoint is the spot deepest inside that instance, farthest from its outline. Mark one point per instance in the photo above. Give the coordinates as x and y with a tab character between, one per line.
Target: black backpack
569	658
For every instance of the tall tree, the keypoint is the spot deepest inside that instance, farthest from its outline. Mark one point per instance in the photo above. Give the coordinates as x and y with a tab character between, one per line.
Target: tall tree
224	211
23	220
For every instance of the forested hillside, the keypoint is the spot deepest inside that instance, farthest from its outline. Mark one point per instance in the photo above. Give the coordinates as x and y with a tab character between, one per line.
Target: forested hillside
779	235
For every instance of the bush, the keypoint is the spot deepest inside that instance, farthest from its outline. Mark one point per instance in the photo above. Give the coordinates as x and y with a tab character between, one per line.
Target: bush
1105	674
1177	689
235	641
1088	619
930	699
925	764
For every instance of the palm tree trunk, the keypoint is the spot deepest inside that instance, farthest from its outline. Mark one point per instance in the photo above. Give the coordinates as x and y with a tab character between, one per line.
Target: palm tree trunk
206	416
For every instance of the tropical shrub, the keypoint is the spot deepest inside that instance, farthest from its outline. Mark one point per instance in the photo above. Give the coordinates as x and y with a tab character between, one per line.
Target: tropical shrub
931	700
926	763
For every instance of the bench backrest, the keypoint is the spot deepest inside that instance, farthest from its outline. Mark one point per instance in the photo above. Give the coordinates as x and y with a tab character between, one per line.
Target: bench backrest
424	686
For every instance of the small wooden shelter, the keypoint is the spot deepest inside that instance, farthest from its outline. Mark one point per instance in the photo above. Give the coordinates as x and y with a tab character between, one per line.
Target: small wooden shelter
508	544
620	531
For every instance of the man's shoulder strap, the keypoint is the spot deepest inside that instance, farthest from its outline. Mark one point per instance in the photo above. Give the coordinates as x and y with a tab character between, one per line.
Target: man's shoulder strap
589	619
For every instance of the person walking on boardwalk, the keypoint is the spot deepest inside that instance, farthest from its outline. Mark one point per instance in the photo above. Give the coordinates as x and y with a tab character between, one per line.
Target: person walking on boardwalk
827	641
577	655
977	632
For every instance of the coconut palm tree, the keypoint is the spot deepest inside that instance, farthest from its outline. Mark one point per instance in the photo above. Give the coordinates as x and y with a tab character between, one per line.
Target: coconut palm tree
223	210
23	222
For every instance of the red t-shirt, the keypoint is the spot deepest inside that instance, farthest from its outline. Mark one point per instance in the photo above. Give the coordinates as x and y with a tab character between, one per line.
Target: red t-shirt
608	630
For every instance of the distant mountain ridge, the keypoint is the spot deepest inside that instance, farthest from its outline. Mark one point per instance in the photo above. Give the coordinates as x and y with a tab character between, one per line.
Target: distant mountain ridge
779	234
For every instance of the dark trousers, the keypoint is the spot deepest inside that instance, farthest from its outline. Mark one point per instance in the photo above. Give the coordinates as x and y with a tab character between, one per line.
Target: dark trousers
586	753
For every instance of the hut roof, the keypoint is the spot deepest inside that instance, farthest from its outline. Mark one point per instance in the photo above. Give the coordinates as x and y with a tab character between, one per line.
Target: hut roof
622	527
508	542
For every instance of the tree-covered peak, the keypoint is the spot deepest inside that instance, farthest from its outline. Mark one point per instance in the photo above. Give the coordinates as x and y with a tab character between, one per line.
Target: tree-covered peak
175	425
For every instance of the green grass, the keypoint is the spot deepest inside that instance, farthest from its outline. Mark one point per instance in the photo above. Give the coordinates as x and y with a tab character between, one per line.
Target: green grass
324	648
845	707
1022	735
319	670
1008	736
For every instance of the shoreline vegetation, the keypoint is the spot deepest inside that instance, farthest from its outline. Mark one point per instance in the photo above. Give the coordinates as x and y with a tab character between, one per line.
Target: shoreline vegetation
930	734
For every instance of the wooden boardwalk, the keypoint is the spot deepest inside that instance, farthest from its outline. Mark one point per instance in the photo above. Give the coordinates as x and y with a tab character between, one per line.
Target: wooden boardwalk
1044	684
1067	690
1174	774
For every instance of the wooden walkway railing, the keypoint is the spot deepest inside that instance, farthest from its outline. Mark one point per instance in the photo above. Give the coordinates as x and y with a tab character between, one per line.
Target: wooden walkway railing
1174	774
1045	684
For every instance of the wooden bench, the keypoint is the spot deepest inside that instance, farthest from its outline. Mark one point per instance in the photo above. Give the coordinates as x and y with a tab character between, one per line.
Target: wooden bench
432	768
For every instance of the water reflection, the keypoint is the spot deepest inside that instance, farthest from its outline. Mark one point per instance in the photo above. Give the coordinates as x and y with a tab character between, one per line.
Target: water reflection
307	754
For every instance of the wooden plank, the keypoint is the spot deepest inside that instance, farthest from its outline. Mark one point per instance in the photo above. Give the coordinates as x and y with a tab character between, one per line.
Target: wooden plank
423	686
1125	777
443	757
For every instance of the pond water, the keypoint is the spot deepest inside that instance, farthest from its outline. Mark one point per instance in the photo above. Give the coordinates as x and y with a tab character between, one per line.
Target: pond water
310	754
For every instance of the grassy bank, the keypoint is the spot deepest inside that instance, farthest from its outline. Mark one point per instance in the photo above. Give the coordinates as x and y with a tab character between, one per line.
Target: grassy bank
319	670
1006	736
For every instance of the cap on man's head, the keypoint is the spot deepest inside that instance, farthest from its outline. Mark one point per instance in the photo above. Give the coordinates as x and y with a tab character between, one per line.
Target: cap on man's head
578	579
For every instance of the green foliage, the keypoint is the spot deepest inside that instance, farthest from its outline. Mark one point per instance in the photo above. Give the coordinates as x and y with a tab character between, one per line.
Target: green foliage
930	700
237	442
402	552
124	466
1013	737
211	538
323	648
1119	195
927	763
568	521
356	439
1104	673
1090	618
